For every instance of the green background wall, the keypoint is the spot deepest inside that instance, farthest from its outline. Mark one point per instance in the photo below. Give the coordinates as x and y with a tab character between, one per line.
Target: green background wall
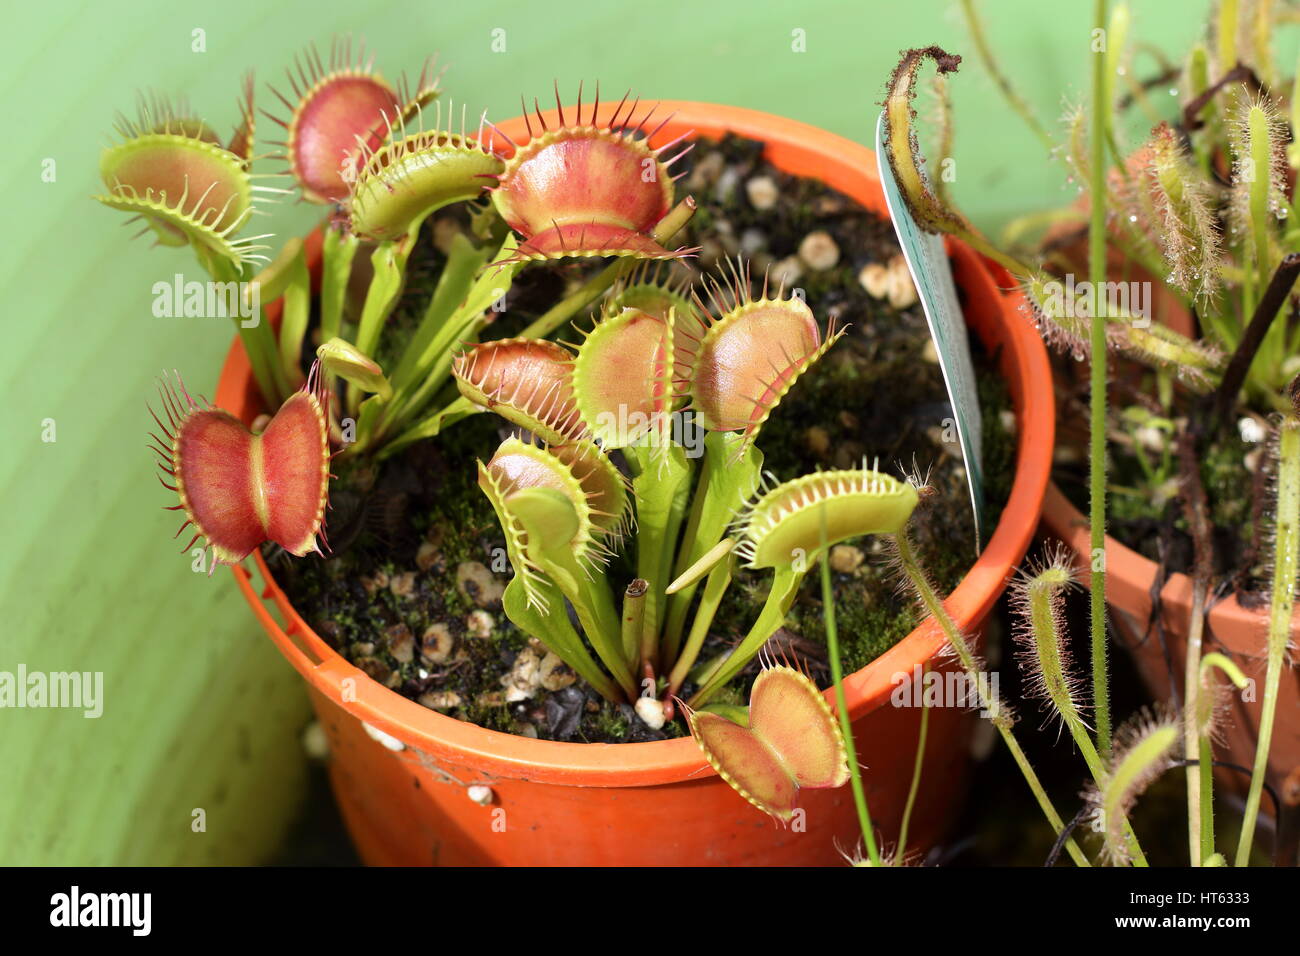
200	712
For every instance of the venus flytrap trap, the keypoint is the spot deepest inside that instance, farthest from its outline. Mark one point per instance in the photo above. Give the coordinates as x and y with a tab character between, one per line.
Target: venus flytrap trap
788	740
239	489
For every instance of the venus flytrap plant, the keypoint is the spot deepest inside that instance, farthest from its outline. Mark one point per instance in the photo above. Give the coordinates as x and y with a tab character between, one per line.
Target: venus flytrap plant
633	387
782	530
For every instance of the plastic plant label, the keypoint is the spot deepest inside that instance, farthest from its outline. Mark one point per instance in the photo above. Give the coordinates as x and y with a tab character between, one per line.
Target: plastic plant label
928	262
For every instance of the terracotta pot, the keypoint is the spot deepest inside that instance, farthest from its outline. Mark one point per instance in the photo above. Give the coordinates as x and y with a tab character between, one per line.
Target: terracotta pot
1231	628
660	803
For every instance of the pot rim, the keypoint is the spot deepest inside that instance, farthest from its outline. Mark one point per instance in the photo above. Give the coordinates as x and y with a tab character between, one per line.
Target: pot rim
849	168
1130	575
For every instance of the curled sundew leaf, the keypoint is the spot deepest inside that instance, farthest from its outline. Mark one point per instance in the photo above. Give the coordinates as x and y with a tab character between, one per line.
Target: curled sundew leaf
1196	362
1043	644
239	489
1062	312
1187	231
1141	753
187	188
1258	137
785	522
337	109
1212	704
525	381
749	355
792	742
1054	309
904	151
623	377
593	188
403	181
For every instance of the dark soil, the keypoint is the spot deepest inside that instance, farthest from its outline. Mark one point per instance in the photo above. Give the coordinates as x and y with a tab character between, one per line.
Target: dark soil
411	594
1146	510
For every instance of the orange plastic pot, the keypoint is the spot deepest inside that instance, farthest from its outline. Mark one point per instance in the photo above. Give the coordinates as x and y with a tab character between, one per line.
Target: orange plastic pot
558	803
1229	627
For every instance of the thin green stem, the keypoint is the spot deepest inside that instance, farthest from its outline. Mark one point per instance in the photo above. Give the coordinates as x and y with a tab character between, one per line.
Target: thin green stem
715	586
1017	103
915	788
1286	557
337	253
842	706
258	339
1097	378
1205	770
1192	741
430	426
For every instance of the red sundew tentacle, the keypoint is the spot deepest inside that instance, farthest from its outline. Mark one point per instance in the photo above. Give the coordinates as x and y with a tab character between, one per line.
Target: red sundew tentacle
196	537
187	523
537	108
559	107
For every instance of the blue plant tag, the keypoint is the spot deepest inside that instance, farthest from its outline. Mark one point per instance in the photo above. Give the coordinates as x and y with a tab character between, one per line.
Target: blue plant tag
932	275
